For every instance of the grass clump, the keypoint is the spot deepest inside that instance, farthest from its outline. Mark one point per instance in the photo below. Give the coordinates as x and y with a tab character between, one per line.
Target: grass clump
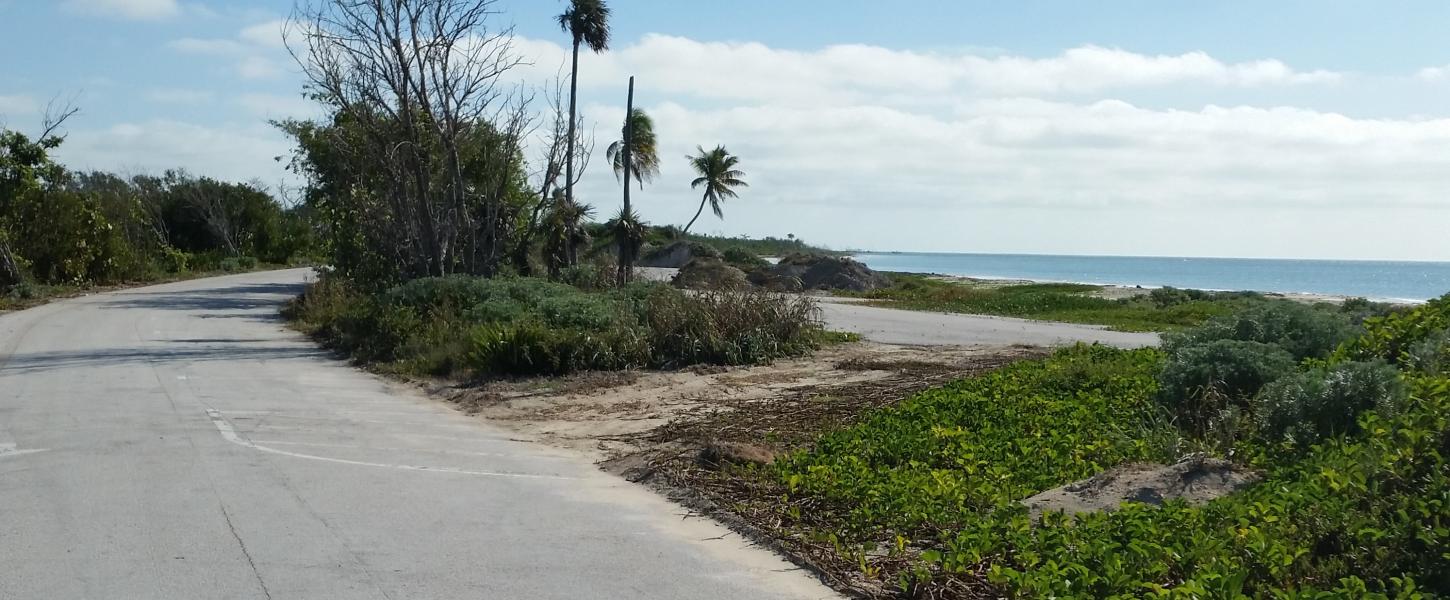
525	326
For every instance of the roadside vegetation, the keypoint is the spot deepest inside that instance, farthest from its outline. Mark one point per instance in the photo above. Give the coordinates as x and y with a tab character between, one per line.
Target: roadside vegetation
472	327
448	212
1347	423
1163	309
62	231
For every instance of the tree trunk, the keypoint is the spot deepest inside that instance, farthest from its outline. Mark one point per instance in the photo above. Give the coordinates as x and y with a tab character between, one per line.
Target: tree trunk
626	246
573	104
703	200
9	268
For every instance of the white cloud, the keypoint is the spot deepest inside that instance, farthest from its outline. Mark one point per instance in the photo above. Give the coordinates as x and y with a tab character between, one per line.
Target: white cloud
214	46
278	106
138	10
180	96
257	50
1433	74
258	67
267	34
18	105
230	152
856	73
1029	162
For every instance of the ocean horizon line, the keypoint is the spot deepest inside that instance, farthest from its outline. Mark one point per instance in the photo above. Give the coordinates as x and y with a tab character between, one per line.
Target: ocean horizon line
857	252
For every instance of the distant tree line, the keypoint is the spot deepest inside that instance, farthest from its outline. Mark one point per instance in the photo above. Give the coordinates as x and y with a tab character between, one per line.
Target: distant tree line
63	227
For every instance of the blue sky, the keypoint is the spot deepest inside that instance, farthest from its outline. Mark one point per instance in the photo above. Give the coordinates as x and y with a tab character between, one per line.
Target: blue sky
1230	128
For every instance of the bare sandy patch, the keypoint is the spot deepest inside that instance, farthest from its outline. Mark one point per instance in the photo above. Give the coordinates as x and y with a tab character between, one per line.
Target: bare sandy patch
614	414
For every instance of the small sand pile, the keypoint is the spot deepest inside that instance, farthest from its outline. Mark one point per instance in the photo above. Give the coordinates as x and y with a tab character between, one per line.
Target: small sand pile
677	254
710	274
1196	479
817	272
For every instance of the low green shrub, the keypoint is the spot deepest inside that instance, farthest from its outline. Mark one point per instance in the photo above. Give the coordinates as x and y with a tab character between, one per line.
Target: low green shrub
526	326
1392	336
1431	354
1303	408
589	276
1303	331
533	348
743	259
1200	381
727	327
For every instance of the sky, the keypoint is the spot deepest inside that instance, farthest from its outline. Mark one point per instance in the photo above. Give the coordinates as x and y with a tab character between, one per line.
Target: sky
1285	129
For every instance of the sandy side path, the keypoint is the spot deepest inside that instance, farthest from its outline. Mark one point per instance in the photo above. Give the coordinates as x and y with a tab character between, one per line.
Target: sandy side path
917	328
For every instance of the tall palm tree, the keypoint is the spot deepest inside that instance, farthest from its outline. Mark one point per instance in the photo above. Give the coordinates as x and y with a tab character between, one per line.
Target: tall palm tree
719	178
644	158
587	22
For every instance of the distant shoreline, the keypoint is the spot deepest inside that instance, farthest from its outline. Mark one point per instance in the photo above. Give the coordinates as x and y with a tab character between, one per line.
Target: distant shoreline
1306	280
1114	291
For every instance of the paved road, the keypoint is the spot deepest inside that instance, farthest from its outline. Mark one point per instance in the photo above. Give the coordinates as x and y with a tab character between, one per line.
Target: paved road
890	326
178	442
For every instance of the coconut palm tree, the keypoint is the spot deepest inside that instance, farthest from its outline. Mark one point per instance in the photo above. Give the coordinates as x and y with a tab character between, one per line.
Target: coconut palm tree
644	159
587	22
719	178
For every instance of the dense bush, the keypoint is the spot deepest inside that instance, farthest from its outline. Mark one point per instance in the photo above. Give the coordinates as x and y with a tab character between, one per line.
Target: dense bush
526	326
1391	337
1323	402
1200	381
1431	354
743	259
1304	331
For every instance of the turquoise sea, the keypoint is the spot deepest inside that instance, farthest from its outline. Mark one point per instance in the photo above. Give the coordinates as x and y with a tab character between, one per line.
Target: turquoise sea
1378	280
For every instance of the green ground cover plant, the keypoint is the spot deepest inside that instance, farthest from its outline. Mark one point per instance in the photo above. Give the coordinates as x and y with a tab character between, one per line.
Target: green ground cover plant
1352	441
462	325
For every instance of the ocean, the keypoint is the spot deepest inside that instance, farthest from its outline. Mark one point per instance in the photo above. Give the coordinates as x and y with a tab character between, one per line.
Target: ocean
1377	280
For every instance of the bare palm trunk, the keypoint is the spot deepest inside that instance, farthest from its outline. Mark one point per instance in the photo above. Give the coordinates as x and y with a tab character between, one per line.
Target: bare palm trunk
573	108
703	200
626	245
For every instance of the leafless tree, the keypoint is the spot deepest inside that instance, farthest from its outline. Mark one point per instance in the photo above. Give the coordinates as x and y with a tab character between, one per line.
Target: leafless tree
552	151
423	81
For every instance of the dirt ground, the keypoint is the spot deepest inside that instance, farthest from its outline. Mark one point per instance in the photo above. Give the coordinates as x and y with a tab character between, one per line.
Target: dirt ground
609	415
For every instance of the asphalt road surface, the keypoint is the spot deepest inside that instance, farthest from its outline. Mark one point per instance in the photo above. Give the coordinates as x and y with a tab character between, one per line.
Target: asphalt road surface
178	442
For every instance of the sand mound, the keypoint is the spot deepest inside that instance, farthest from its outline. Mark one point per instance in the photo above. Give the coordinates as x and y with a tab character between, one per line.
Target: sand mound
710	274
677	254
829	273
1196	479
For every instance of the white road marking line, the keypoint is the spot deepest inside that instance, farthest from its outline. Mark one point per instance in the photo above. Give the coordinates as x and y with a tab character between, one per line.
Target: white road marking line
229	433
392	449
341	419
8	450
